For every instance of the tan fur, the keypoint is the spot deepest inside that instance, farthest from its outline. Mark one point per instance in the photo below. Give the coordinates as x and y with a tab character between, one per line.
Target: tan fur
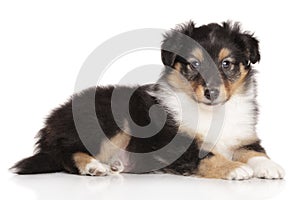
193	89
224	53
236	86
197	53
174	76
199	91
216	166
244	155
81	160
110	148
223	92
178	81
177	67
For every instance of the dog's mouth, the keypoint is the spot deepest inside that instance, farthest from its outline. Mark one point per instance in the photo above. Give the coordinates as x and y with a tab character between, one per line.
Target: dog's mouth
219	103
214	103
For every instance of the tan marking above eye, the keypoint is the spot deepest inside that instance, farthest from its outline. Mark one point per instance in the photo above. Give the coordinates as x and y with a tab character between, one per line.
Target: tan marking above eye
224	53
237	85
197	53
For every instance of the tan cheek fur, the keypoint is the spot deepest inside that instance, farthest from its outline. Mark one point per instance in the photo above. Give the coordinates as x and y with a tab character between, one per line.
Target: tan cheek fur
178	81
235	87
175	78
199	91
231	88
193	89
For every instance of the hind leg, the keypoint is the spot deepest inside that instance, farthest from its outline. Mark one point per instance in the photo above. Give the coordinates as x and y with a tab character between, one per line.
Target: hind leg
87	165
116	166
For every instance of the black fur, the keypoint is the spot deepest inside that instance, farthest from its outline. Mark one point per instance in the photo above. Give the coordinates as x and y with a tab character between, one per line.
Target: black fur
256	146
59	138
39	163
229	35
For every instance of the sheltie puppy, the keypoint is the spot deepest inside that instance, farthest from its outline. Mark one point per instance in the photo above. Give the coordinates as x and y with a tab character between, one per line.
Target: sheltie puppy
199	119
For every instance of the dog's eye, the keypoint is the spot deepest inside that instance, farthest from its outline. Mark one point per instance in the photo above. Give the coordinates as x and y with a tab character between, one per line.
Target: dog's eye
226	64
196	64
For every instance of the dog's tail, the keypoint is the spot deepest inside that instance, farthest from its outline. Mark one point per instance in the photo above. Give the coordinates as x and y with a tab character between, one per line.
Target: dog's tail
38	163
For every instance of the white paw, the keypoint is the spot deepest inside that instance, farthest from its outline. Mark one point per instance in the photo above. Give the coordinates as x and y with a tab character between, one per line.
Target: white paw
241	173
265	168
116	166
95	168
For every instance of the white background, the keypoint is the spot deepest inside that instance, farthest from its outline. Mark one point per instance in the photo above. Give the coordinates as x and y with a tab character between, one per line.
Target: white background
44	44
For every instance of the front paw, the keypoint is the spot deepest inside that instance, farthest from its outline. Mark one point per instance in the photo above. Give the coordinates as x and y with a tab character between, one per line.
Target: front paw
265	168
242	172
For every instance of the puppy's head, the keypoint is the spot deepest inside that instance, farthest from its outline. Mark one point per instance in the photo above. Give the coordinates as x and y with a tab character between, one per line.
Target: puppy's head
210	63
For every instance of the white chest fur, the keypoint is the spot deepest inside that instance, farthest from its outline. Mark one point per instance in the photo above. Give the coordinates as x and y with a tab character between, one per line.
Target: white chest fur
221	127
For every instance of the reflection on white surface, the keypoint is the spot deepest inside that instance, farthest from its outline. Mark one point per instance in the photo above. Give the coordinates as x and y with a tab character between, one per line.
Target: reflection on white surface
64	186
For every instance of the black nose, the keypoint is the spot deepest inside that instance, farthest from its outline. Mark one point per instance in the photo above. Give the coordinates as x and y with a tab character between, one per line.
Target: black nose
211	94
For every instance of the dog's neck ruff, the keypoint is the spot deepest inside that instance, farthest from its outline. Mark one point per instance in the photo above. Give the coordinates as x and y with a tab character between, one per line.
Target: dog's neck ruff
223	126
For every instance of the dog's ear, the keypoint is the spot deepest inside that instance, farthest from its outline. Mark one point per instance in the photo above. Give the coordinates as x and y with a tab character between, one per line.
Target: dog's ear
168	58
173	40
251	45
